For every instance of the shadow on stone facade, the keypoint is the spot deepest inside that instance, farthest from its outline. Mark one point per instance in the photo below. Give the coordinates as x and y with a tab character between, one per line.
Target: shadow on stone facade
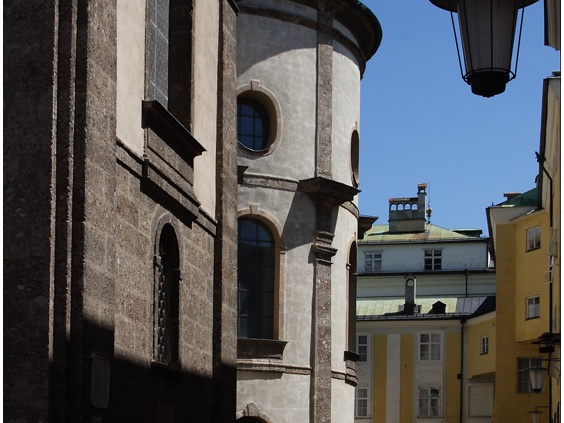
135	391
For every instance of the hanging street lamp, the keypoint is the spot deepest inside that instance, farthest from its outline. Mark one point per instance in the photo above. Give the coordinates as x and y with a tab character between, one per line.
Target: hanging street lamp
487	30
535	416
536	377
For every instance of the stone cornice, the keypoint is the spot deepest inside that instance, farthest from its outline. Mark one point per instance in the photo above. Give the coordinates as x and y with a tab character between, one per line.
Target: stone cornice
267	181
328	192
356	17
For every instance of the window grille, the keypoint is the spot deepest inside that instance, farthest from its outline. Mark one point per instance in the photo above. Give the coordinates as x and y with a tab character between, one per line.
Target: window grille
362	347
433	259
429	346
484	345
373	261
533	238
159	48
533	307
361	402
255	280
429	402
167	298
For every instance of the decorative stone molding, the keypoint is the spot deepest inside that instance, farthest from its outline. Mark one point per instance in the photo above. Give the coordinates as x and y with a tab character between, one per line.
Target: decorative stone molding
168	160
252	410
267	181
260	348
255	90
328	192
364	224
350	359
271	366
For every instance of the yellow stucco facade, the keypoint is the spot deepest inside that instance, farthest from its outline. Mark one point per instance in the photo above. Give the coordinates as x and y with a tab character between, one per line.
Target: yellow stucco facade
481	361
520	275
398	373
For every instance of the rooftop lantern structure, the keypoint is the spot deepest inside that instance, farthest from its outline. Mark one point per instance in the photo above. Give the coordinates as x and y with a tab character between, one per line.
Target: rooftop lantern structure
487	31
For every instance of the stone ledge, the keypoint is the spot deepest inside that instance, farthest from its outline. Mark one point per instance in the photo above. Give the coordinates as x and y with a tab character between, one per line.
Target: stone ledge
260	348
168	161
167	127
328	192
261	365
164	371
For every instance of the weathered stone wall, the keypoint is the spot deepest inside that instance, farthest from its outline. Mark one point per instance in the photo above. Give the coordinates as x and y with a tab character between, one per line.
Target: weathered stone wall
29	147
82	213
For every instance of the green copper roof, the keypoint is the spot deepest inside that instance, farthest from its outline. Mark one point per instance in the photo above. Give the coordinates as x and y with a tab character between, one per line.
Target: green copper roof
379	234
391	308
529	198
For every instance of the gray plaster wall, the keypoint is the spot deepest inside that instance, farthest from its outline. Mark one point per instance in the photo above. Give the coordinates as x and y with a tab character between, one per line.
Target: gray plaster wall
346	112
287	63
344	237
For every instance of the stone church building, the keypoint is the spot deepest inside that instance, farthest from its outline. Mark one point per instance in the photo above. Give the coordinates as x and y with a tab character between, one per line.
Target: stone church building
180	209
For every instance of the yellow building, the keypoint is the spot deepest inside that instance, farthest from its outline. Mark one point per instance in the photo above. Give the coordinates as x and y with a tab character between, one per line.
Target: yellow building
425	312
525	234
417	367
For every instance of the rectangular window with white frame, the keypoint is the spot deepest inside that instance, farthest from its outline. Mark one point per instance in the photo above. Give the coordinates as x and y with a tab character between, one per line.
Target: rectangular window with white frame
373	261
533	238
533	307
430	346
362	347
361	402
429	402
433	259
484	345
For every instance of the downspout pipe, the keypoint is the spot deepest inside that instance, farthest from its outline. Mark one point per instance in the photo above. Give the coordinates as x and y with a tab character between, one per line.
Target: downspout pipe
466	282
541	159
462	372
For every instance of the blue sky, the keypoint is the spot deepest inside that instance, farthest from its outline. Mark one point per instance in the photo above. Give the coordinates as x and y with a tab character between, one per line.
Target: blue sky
420	122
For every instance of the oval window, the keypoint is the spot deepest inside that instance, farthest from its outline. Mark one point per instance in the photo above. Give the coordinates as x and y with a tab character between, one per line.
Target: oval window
253	126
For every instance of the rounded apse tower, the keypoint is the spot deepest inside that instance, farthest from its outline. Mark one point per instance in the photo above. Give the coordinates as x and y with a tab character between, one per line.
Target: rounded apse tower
299	65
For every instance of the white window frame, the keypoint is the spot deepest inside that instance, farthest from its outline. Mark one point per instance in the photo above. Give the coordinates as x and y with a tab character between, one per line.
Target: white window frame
435	257
361	402
533	238
362	348
484	345
373	261
434	344
432	397
532	307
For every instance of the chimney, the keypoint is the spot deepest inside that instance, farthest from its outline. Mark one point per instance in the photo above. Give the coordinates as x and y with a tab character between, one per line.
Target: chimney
410	283
511	195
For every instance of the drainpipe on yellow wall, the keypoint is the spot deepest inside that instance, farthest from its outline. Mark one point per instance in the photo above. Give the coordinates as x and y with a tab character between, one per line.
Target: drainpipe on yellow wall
461	405
541	159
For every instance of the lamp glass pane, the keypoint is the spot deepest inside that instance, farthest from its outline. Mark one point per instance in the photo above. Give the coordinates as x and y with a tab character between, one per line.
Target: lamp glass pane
487	28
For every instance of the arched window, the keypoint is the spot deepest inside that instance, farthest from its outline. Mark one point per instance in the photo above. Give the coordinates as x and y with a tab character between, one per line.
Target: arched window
253	126
248	419
255	280
166	307
355	151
